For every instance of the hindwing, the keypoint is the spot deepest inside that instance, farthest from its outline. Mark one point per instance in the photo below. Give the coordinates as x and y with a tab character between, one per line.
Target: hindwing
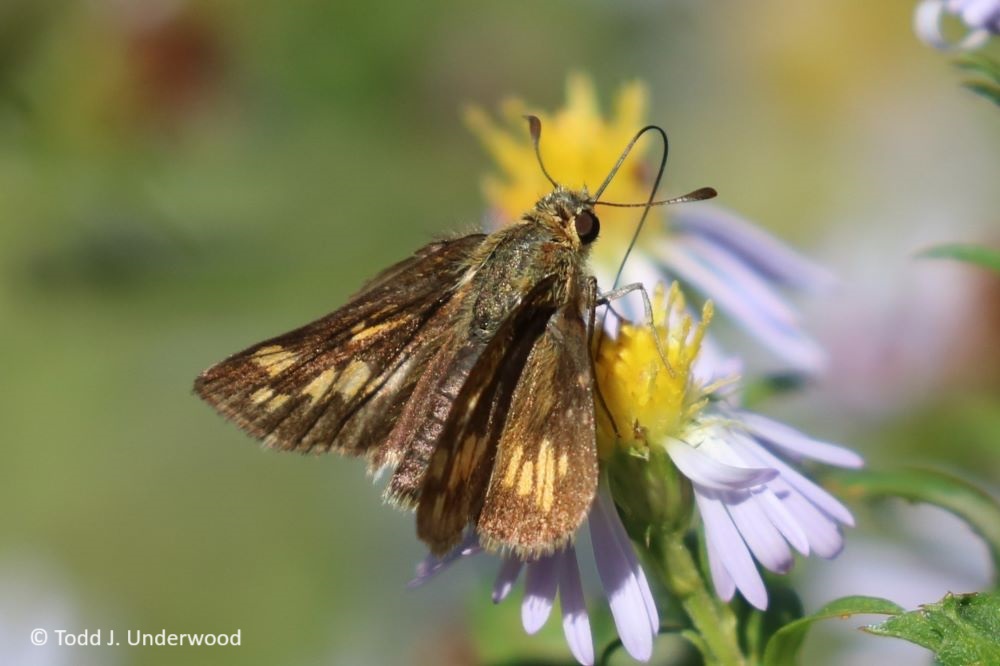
517	455
544	477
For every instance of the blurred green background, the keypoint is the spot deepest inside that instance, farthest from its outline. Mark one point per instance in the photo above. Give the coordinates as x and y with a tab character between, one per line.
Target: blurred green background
181	179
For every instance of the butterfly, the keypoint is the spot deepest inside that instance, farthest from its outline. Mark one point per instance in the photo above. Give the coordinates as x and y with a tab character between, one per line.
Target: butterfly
466	369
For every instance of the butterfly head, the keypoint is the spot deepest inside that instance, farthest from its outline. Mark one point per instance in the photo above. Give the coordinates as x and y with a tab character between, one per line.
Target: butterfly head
572	212
569	212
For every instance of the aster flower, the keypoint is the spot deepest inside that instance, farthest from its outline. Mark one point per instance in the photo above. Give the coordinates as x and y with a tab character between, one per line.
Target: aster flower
622	578
710	249
753	505
981	18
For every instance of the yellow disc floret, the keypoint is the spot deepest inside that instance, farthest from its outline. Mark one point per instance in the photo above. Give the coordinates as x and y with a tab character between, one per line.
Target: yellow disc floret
645	376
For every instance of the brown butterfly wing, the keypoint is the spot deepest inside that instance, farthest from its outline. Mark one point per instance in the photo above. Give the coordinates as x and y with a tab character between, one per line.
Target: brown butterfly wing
528	411
449	481
340	382
544	477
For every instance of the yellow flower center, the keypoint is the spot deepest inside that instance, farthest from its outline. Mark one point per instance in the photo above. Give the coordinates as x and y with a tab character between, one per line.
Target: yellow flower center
645	377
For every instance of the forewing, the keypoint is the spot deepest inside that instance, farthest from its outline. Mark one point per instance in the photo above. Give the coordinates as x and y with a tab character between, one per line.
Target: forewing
544	477
340	382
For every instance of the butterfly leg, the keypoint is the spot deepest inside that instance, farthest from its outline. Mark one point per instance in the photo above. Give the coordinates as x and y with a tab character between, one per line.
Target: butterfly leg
593	299
647	304
615	294
605	300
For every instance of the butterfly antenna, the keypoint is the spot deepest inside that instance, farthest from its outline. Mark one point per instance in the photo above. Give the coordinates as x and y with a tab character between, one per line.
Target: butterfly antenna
535	128
698	195
652	192
621	158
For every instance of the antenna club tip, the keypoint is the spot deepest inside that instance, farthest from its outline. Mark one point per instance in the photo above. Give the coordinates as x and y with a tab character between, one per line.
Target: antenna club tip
704	193
534	127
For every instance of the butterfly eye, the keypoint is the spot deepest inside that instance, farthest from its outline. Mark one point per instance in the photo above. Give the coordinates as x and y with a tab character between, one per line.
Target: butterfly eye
587	226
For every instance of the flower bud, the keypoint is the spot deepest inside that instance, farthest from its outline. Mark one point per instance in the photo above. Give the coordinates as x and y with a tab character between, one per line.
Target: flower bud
650	492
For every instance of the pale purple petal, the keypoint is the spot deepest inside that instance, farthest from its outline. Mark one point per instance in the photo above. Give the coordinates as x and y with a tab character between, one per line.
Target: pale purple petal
722	535
724	584
985	13
763	522
770	257
647	594
821	531
760	517
506	577
979	13
788	342
628	608
432	565
540	584
825	538
761	536
780	516
753	287
822	499
795	442
715	440
608	504
927	25
576	623
703	469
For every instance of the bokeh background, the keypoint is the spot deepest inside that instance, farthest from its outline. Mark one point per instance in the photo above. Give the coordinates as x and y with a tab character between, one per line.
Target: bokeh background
181	179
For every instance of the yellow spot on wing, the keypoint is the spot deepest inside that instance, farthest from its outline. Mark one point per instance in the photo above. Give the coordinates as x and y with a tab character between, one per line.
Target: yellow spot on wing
274	359
543	456
362	331
563	463
545	493
318	387
261	395
526	482
510	474
277	401
354	376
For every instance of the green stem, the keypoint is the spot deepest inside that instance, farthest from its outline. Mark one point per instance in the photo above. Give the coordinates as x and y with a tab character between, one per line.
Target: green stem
713	620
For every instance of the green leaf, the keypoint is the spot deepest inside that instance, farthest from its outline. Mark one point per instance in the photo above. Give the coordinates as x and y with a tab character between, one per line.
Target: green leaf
960	629
972	254
980	64
785	643
989	86
757	627
975	507
984	89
